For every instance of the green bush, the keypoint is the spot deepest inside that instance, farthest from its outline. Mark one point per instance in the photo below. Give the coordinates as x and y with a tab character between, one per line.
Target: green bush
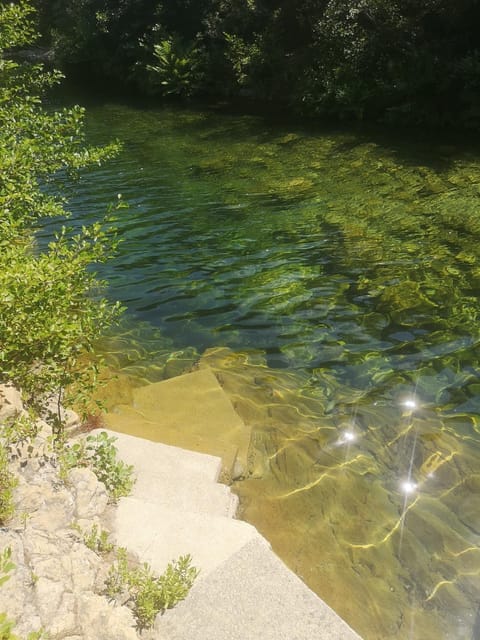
177	69
96	540
51	304
149	594
99	454
19	430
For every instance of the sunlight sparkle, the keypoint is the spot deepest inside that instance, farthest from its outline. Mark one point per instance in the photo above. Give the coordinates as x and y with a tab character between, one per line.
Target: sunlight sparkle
408	486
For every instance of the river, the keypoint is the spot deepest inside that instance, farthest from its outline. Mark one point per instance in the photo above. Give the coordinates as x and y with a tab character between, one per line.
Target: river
330	277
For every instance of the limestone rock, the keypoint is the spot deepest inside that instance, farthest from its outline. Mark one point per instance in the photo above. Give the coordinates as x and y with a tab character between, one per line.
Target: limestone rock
90	495
46	508
100	619
69	418
13	594
55	584
85	566
11	403
42	545
57	608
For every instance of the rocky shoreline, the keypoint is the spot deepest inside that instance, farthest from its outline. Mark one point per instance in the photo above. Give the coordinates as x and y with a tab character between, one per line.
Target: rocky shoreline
56	584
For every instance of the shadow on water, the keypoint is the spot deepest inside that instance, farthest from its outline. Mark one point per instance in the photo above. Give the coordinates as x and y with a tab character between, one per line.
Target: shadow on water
435	149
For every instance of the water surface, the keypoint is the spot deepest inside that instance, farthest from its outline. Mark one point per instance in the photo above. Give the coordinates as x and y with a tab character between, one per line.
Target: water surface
330	279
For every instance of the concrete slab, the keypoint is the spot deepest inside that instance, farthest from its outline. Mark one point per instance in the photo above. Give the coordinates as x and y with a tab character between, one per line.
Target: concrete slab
176	478
190	411
185	491
128	420
158	535
147	456
252	595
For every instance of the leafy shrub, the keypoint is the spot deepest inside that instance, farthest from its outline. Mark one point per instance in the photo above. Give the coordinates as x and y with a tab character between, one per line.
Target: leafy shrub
96	540
21	429
99	454
118	578
178	68
149	594
52	310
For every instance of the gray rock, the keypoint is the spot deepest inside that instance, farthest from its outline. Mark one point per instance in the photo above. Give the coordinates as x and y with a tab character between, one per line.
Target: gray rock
14	594
11	403
56	581
90	495
56	608
85	565
47	509
100	619
69	418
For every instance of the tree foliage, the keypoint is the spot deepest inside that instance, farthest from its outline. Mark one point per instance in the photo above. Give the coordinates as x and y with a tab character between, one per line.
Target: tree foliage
177	67
399	60
51	307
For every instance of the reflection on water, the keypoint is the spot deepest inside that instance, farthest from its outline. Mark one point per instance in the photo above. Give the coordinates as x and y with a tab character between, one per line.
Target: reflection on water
330	281
374	506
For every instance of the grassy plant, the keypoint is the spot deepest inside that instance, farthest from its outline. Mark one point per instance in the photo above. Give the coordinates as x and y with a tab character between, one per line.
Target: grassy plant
98	452
96	540
118	578
149	594
7	485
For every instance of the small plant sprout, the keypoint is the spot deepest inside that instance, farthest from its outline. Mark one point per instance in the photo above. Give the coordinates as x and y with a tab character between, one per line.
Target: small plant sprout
96	539
6	565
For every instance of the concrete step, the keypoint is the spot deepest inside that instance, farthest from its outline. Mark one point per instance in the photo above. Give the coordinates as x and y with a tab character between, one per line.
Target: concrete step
190	411
175	478
126	419
252	595
185	492
158	534
147	456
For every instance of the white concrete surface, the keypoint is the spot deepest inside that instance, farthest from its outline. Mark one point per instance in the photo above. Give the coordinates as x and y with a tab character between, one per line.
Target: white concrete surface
252	595
159	535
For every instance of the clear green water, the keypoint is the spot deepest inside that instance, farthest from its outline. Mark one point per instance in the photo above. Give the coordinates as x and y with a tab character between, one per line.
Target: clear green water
331	281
